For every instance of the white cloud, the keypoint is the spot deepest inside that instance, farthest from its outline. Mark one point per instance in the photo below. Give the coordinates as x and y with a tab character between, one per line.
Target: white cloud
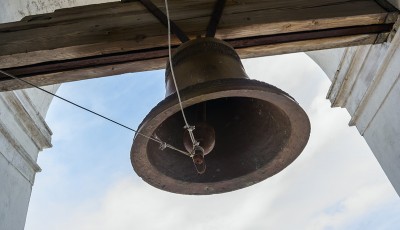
353	207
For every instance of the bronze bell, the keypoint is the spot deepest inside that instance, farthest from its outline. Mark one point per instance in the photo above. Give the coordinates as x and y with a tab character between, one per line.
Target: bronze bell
249	130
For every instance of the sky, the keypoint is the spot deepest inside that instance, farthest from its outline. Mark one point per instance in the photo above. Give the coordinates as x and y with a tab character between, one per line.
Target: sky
87	181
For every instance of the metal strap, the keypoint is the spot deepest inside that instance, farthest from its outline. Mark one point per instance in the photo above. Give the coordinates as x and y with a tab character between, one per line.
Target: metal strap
215	17
163	19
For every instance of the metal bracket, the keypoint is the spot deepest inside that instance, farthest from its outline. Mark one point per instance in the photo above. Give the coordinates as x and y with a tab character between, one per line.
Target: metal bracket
164	20
211	28
215	17
386	5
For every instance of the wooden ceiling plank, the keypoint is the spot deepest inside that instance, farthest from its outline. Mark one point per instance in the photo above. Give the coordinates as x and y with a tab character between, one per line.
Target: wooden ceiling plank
177	8
159	63
265	20
45	43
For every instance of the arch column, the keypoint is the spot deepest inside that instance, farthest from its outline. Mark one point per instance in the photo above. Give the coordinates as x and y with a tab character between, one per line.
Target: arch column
365	81
23	133
23	130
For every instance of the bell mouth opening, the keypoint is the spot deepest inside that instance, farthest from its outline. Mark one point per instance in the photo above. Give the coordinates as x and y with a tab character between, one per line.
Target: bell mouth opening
249	133
259	130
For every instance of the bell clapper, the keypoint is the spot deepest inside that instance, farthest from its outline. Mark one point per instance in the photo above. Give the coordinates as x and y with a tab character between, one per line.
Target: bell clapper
204	135
198	159
197	152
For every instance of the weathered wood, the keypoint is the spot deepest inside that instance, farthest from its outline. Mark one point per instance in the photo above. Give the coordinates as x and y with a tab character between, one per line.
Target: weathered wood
131	27
117	28
303	46
159	63
75	75
146	54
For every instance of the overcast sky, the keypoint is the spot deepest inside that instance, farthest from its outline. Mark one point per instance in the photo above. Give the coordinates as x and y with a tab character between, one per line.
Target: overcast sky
87	180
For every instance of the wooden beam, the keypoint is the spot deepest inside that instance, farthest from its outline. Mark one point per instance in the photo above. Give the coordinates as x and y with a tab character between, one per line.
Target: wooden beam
127	57
77	74
113	38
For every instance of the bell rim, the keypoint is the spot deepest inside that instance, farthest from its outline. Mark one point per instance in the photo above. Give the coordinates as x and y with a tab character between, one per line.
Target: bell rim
209	91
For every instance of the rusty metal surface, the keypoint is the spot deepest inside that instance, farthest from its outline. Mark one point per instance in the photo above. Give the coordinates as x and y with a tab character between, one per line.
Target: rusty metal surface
164	20
258	129
202	60
215	18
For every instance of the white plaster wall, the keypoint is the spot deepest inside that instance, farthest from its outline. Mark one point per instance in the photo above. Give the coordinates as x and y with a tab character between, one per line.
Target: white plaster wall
365	81
41	100
395	3
383	135
15	10
329	60
12	210
378	116
23	131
